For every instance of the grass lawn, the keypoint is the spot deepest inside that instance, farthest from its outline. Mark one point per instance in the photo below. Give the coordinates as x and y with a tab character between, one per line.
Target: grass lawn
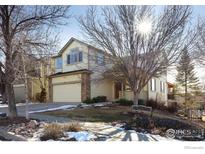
111	114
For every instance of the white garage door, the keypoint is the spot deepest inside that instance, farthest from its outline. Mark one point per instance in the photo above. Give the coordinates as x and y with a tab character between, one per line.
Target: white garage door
67	93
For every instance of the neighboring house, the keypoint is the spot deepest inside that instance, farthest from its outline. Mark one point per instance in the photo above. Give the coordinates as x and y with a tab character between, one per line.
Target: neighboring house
38	73
77	77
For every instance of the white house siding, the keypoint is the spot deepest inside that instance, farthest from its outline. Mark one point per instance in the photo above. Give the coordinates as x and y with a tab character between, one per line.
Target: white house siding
157	94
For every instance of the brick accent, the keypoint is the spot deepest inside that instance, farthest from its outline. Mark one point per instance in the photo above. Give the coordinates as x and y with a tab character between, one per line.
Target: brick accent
85	86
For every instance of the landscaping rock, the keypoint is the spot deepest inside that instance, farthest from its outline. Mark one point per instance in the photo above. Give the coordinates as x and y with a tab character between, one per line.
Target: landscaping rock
33	124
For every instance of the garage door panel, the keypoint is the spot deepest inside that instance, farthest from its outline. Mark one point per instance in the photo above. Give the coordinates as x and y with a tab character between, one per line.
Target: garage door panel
67	93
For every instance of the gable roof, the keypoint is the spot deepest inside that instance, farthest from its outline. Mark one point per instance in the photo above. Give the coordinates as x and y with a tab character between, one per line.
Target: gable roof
72	39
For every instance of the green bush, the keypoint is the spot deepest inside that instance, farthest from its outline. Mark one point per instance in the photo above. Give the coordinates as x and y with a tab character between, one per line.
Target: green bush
124	102
97	99
100	99
88	101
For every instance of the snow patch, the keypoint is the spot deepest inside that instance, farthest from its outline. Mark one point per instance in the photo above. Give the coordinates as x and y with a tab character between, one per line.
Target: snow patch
81	136
54	109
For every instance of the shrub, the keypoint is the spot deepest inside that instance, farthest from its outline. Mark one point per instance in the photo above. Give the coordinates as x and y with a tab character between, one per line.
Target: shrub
41	97
100	99
172	108
152	103
52	132
97	99
141	102
73	127
124	102
88	101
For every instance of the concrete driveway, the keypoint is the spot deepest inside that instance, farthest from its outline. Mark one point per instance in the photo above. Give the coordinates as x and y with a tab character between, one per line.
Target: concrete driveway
35	107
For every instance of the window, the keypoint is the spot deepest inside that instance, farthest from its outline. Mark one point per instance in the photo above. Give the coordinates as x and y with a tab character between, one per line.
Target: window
153	85
59	63
75	56
162	86
100	58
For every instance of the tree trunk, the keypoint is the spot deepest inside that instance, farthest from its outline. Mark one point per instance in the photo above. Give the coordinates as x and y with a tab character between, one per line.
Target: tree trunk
136	97
11	101
186	91
3	93
4	98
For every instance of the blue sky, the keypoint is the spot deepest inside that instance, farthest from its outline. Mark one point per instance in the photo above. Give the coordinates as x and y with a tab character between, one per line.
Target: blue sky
73	29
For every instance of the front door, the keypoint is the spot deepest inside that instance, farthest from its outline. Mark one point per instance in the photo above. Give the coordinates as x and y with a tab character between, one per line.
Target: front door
118	88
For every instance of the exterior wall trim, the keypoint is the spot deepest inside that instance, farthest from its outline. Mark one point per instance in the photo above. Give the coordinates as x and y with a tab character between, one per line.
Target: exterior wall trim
70	73
63	83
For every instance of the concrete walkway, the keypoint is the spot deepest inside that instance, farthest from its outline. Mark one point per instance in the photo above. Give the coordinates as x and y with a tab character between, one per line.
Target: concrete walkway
48	118
10	137
40	106
107	132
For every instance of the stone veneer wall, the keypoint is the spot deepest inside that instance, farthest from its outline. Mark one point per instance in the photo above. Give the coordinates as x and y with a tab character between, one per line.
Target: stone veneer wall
85	86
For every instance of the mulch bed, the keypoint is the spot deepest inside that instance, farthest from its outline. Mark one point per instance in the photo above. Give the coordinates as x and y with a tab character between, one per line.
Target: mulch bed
158	125
8	121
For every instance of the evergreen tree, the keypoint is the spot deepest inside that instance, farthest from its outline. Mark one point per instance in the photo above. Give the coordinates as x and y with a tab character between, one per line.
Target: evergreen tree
186	75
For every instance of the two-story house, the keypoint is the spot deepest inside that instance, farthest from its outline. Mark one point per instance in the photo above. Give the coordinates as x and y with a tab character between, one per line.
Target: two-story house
77	78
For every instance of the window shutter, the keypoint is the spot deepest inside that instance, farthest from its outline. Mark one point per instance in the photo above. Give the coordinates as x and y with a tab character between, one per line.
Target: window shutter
68	59
80	56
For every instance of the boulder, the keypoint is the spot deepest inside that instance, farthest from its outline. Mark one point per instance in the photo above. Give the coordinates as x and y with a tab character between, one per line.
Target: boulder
33	124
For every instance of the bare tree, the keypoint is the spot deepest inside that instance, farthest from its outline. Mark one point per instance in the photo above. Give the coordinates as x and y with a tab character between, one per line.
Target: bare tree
23	28
140	43
199	52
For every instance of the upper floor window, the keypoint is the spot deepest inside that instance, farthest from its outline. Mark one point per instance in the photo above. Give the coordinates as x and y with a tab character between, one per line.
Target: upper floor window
153	84
162	86
100	59
74	57
59	63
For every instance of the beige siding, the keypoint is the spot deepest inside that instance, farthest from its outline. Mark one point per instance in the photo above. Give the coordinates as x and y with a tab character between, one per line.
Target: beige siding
102	88
76	66
129	95
64	79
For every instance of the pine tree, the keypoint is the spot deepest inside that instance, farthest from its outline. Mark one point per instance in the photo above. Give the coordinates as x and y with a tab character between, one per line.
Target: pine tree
186	76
